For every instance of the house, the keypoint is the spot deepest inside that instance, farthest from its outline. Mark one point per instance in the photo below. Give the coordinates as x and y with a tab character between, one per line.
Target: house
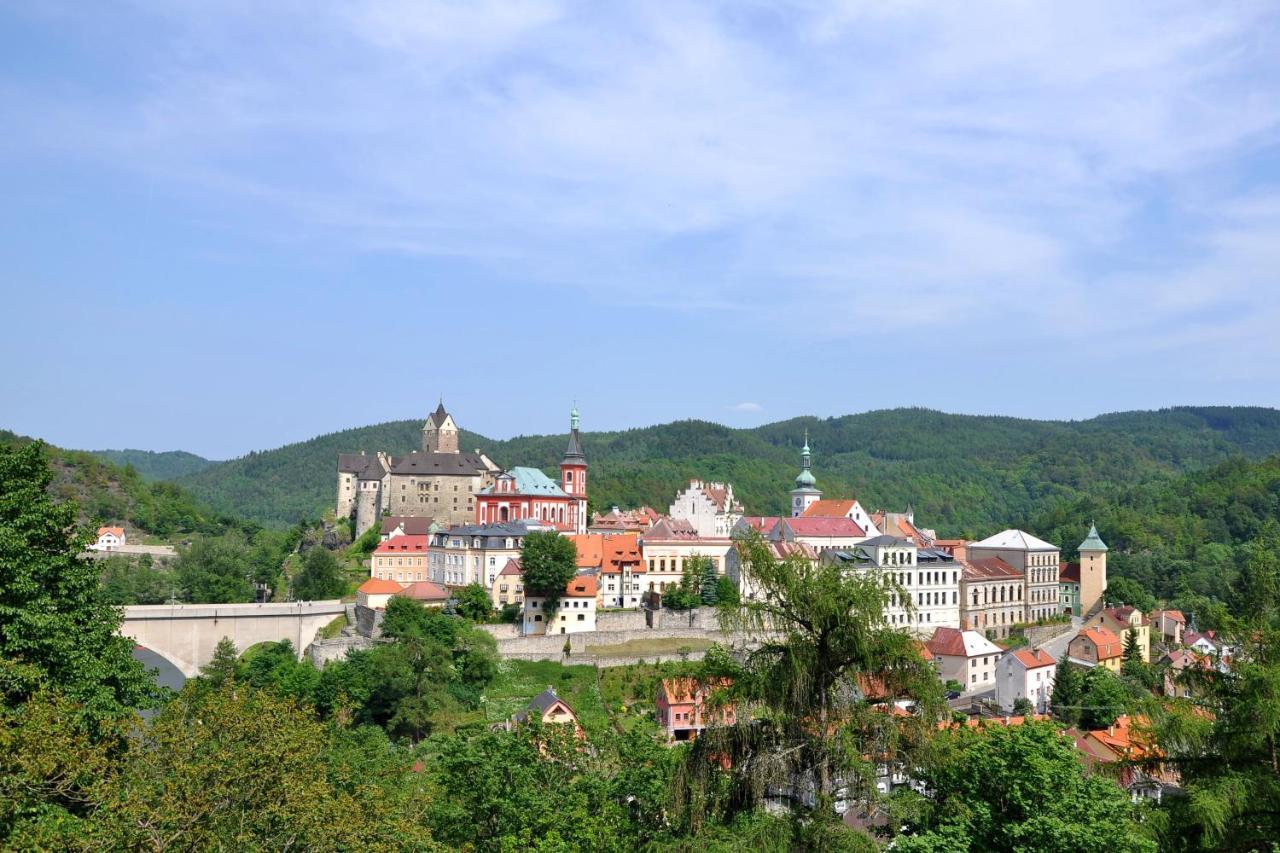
1025	674
574	613
406	525
1127	741
430	594
475	553
992	596
903	524
737	570
1178	661
1036	559
1168	626
1123	621
849	509
400	558
1069	588
376	592
1096	647
669	545
681	708
508	588
550	710
1206	643
710	507
924	583
964	656
619	521
527	493
109	539
617	562
819	533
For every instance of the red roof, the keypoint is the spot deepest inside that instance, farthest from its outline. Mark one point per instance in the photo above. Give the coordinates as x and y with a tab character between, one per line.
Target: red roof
511	568
608	553
948	642
803	526
103	531
989	568
425	591
689	689
378	586
1068	573
761	523
1034	658
1175	615
403	544
582	586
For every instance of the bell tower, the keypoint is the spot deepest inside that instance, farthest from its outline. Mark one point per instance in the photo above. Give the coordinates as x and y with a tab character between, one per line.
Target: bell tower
1093	572
573	475
806	491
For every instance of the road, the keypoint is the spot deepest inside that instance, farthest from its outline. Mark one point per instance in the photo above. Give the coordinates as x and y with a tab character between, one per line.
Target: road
1058	645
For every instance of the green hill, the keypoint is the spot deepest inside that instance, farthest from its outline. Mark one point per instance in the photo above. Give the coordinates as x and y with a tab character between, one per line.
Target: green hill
115	494
963	474
153	465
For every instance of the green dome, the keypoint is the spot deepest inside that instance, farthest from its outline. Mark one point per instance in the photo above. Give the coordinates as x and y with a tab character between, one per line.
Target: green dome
805	479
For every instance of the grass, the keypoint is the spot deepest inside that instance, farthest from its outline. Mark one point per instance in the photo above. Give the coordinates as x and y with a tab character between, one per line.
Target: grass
333	629
518	681
656	646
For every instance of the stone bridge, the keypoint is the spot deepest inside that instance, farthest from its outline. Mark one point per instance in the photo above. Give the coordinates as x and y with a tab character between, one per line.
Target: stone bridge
186	634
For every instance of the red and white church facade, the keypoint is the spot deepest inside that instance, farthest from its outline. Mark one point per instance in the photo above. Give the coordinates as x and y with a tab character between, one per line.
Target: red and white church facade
527	494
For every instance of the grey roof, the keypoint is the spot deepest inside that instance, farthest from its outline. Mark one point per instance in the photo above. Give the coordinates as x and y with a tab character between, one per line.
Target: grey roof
887	541
438	464
934	555
437	417
539	703
574	452
363	465
414	525
494	535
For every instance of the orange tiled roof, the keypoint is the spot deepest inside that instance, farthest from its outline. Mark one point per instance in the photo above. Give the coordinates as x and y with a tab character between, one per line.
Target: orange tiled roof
378	586
403	544
1034	658
425	591
829	509
582	586
1107	643
103	531
590	549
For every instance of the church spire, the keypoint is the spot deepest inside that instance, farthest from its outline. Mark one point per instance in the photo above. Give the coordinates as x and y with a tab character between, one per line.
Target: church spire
573	453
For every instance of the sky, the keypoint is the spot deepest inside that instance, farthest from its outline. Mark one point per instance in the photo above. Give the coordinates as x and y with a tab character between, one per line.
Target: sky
229	226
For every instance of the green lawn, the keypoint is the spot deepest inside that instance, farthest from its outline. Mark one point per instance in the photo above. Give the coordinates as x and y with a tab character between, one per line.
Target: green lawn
656	646
518	681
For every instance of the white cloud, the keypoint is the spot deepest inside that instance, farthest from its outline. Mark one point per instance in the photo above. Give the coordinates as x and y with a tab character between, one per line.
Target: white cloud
746	407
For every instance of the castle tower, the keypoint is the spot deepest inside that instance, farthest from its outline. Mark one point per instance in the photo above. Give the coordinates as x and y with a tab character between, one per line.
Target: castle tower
440	433
806	491
573	475
1093	572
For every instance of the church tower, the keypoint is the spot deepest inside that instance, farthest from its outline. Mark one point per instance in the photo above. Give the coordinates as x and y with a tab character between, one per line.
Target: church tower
573	476
1093	572
440	433
806	491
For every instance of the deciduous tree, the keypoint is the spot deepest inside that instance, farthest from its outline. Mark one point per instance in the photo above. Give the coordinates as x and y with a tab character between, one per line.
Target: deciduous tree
549	562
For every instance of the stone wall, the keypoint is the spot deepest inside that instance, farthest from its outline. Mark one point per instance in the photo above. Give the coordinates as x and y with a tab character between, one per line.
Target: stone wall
323	651
368	509
1045	633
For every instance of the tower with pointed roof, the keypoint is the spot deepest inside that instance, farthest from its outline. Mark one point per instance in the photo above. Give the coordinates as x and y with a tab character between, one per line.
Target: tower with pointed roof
806	491
1093	572
440	433
573	475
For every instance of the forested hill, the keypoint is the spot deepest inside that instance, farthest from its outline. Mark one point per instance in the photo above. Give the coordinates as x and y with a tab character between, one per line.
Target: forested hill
154	465
114	494
963	474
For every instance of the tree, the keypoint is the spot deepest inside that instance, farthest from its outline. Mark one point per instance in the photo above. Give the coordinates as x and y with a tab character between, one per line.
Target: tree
321	577
135	580
727	592
709	590
222	667
1068	693
1257	592
54	627
811	691
474	603
215	570
1103	698
1045	801
1122	590
549	562
688	594
1022	707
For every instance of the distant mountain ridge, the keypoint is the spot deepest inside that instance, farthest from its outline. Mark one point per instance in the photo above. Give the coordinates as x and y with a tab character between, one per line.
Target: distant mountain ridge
963	474
156	465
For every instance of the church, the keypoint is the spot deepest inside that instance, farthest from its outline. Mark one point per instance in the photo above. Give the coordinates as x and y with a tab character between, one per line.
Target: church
527	494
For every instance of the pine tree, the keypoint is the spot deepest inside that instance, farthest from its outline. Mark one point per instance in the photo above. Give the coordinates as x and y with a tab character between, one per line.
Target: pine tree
1068	687
710	590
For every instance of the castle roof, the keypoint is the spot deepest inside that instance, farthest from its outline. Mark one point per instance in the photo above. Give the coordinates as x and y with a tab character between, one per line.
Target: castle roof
363	465
411	524
427	464
439	416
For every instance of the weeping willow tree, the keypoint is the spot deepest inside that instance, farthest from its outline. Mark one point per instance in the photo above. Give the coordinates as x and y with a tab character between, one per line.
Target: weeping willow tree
815	690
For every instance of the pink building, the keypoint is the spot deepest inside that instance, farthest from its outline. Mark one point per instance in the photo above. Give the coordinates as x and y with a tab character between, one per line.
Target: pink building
680	708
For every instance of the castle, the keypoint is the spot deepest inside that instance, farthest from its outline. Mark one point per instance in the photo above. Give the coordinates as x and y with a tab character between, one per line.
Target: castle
453	487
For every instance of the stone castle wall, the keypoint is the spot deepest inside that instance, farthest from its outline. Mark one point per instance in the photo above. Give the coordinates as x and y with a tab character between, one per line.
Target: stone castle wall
368	509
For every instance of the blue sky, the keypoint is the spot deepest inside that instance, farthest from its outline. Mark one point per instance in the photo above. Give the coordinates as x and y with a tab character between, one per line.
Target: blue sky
227	226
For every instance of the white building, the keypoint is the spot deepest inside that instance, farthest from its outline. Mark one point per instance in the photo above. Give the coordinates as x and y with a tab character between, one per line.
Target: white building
964	656
709	507
839	508
109	539
925	582
669	545
574	612
1038	562
1025	674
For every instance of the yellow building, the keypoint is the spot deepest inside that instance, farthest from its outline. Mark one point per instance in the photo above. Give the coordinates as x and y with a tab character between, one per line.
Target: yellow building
1123	621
